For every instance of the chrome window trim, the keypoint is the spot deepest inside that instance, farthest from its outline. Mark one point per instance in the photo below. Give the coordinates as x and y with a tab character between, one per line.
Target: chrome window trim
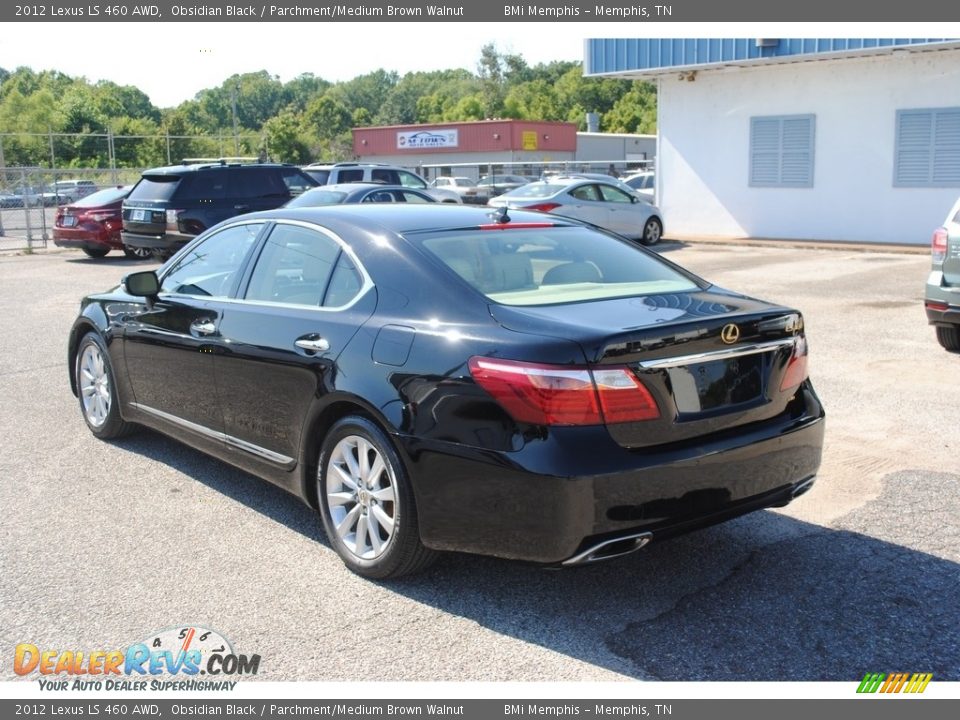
235	442
365	287
755	349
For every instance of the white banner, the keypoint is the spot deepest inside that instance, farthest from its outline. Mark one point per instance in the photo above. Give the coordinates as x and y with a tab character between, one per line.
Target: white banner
419	139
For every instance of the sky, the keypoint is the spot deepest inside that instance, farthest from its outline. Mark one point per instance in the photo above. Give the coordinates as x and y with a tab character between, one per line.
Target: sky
171	62
184	58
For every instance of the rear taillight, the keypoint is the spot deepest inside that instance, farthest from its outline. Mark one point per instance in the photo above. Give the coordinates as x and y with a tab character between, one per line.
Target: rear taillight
563	395
796	371
542	207
173	216
938	249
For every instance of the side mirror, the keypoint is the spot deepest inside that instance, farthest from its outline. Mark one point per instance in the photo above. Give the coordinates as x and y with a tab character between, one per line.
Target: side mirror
142	284
634	199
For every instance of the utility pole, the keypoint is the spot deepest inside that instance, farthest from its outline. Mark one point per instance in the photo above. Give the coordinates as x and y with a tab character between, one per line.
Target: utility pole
233	107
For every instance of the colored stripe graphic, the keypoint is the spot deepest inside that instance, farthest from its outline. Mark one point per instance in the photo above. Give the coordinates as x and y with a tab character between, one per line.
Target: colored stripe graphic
894	682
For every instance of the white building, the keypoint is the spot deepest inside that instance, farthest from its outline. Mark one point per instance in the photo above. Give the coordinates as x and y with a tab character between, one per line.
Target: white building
853	140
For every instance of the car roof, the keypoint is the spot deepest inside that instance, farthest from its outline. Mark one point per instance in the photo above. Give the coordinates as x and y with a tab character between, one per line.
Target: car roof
194	167
403	218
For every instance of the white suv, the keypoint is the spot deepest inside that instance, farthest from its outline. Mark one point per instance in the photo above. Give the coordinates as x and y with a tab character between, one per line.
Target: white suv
349	172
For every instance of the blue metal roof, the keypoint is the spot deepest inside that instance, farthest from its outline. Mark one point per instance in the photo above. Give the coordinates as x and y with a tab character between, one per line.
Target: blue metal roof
654	56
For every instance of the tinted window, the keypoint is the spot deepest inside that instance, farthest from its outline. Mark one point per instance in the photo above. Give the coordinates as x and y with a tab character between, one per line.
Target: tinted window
316	197
410	180
380	196
384	176
585	192
296	182
253	183
294	266
321	176
204	185
552	265
612	194
536	190
350	176
103	197
211	267
155	187
345	283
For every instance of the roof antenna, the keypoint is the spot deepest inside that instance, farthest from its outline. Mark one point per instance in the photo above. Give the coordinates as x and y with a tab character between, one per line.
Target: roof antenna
501	216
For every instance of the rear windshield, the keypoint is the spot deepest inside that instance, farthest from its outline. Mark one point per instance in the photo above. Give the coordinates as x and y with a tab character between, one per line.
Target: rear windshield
315	198
536	190
103	197
155	187
554	265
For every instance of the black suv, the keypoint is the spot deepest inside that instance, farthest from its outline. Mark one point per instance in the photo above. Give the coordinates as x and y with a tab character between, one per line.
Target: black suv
170	205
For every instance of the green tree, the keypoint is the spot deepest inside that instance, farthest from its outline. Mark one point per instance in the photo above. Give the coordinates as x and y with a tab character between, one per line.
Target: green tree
284	138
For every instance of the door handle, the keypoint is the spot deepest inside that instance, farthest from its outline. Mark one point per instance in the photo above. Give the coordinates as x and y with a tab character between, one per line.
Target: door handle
312	343
203	327
240	207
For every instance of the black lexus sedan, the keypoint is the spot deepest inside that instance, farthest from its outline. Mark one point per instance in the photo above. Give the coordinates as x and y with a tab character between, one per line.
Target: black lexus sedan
433	377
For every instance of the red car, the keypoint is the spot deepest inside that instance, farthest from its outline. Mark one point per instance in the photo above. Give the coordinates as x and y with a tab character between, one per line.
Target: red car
93	224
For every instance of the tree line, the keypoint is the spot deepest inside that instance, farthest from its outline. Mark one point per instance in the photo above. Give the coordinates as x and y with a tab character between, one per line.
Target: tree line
303	120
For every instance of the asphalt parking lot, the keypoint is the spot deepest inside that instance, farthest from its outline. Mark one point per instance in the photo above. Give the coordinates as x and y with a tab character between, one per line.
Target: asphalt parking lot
104	543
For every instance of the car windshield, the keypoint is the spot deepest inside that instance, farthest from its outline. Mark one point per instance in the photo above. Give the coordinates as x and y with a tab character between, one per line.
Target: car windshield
103	197
551	265
535	190
315	198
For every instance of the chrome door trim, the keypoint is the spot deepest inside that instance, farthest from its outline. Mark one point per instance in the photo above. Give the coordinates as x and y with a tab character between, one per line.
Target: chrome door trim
234	442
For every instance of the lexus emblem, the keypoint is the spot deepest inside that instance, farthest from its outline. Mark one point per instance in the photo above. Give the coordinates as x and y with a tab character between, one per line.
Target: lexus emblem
730	334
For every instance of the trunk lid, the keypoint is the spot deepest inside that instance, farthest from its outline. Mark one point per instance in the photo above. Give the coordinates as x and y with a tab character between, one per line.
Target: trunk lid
712	360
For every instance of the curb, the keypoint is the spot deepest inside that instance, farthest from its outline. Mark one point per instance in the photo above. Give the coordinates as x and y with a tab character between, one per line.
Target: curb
901	248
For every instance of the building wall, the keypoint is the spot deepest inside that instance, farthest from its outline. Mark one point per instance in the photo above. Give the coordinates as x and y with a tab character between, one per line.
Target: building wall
703	160
602	146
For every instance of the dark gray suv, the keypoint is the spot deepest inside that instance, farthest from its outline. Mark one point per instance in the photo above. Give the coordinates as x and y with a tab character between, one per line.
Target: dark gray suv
171	205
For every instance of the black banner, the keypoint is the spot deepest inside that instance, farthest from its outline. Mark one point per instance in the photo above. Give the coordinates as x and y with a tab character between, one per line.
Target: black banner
481	11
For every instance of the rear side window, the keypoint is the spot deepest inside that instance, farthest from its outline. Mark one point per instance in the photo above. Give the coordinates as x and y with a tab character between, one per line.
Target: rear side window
388	177
296	182
321	176
155	187
317	197
550	266
347	176
294	267
203	185
253	183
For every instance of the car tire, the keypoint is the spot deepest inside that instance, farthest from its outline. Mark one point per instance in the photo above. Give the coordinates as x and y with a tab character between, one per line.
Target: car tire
97	389
137	253
949	338
652	231
366	502
96	252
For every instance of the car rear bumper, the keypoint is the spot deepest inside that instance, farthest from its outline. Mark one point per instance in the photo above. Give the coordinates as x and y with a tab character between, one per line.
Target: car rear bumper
941	301
167	241
84	239
575	488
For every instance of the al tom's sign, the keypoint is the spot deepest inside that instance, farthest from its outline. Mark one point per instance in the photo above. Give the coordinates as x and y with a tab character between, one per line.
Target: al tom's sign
423	139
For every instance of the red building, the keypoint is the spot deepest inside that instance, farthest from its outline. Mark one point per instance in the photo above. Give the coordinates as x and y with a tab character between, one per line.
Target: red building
481	142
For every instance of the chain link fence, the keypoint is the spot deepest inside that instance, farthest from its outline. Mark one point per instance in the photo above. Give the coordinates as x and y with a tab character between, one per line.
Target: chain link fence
42	171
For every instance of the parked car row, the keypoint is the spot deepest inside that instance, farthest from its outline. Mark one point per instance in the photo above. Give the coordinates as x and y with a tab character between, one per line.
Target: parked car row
62	192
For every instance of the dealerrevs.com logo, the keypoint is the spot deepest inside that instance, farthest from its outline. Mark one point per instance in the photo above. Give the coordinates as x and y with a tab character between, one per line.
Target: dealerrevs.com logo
186	657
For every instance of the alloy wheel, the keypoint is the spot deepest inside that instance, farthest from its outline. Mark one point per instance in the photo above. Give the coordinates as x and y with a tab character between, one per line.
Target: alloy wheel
361	497
94	381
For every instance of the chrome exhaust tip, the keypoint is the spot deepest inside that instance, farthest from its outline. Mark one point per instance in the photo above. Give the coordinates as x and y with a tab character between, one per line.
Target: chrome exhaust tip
607	549
801	487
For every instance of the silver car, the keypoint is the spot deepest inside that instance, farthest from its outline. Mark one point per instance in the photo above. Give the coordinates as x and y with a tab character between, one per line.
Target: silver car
595	201
942	298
